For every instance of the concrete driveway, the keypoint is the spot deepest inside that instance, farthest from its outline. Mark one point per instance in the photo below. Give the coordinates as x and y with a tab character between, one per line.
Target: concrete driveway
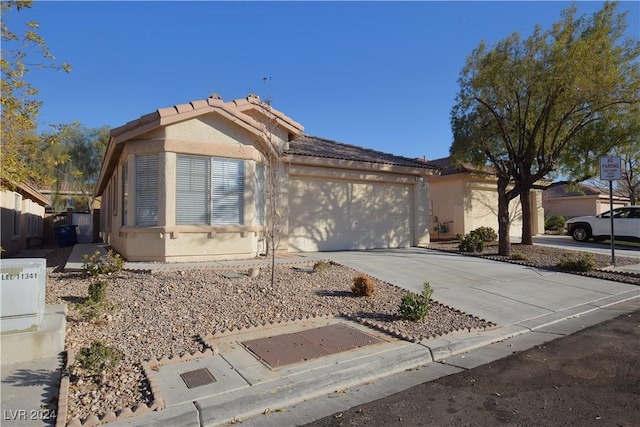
504	293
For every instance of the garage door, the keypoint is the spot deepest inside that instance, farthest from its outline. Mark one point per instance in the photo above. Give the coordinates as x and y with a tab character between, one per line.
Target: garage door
338	215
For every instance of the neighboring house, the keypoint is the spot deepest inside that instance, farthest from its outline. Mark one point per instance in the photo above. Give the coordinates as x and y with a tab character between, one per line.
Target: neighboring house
464	198
186	183
22	218
579	200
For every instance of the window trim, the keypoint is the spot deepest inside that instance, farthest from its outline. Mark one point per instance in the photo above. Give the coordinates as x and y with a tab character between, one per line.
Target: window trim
224	184
146	183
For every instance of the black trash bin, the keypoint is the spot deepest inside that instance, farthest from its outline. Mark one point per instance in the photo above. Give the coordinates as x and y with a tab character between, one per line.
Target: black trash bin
66	235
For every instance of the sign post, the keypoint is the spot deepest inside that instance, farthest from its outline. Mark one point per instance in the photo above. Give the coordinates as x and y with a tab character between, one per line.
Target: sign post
611	170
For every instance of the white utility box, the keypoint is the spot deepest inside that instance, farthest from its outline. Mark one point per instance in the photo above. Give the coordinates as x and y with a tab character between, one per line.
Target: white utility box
23	293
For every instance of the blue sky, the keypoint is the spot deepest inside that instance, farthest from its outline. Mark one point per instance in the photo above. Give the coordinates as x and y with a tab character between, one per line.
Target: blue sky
382	75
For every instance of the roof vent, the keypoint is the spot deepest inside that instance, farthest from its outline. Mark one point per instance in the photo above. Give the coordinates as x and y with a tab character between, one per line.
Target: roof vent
214	96
253	96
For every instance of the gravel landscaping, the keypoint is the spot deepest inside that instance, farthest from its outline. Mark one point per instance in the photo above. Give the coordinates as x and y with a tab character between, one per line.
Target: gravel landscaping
168	313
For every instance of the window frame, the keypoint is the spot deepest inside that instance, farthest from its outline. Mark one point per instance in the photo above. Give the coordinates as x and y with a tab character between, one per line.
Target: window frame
147	167
224	186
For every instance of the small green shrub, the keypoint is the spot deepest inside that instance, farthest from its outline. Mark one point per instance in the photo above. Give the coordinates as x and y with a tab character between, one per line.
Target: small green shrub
321	266
517	256
414	307
471	243
98	358
486	234
363	286
96	305
96	265
555	223
582	262
459	236
98	291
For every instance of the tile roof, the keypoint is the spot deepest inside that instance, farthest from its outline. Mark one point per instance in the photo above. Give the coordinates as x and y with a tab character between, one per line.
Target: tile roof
31	192
313	146
236	109
239	111
580	189
448	168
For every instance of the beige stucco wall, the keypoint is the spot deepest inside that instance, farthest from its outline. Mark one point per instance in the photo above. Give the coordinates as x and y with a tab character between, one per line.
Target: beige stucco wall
481	208
210	136
447	205
579	205
537	227
463	202
31	221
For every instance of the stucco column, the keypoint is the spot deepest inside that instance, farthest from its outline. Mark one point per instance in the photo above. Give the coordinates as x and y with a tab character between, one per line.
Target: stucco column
421	235
537	213
167	189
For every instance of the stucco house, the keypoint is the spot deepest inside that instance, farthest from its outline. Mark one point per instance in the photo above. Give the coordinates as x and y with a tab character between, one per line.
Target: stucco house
464	198
579	200
23	211
187	183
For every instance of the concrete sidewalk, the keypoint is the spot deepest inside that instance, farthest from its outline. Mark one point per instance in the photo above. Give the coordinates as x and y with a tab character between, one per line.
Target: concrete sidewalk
530	306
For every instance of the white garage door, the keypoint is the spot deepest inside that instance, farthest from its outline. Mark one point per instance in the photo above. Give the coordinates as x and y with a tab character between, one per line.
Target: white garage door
337	215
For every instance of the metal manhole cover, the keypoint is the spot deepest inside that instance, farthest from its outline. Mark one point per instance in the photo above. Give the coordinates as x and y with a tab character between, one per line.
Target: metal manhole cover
281	350
197	378
232	275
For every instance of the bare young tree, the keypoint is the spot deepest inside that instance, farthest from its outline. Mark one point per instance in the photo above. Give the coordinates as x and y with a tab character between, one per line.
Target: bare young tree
271	184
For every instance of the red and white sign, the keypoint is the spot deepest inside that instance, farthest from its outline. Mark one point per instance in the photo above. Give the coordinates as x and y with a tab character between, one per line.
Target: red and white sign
610	168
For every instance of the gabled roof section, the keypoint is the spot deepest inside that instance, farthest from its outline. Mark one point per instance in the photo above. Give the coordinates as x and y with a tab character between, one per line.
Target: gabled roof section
576	190
234	110
237	111
30	192
253	103
314	146
448	168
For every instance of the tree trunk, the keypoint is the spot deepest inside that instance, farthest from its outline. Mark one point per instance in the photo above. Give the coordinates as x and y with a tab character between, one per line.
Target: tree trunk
504	245
527	217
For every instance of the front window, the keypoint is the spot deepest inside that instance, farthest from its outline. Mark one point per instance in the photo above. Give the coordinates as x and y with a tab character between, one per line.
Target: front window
209	191
147	190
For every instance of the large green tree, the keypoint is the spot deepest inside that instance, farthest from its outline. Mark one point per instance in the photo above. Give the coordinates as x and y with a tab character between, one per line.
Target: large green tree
83	148
21	146
530	106
624	136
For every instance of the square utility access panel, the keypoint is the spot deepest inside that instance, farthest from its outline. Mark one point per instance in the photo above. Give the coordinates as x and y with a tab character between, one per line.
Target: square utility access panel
197	378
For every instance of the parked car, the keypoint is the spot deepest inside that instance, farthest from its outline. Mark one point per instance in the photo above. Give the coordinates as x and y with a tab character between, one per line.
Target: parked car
626	225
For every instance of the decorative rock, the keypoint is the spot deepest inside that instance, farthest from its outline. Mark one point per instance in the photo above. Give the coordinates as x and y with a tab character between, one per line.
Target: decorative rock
159	315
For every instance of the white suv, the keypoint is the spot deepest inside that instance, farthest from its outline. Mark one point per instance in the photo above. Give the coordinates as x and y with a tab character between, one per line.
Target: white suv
626	225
